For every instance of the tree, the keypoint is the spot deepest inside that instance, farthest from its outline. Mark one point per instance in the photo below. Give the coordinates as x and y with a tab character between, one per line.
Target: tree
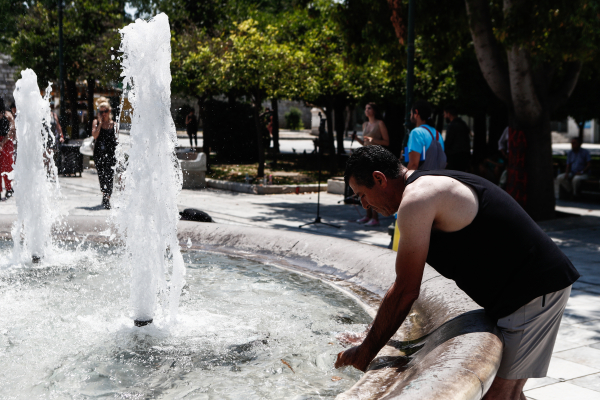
90	31
12	10
531	55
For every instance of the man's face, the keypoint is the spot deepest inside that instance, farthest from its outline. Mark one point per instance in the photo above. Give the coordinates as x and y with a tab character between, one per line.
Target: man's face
376	197
447	117
413	116
575	145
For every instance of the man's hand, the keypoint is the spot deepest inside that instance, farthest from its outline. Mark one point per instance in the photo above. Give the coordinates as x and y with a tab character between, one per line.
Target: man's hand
353	357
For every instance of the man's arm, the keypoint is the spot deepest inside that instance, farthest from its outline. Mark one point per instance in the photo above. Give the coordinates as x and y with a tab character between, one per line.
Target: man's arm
588	166
413	160
568	167
415	219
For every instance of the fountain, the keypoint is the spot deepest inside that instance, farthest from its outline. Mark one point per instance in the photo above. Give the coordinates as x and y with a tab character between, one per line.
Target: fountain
35	175
260	309
147	211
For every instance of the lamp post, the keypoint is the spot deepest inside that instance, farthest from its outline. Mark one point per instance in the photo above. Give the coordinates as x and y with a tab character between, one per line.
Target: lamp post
410	68
61	61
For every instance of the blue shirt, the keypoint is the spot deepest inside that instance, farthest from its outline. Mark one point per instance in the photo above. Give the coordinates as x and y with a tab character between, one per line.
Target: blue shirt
578	160
420	137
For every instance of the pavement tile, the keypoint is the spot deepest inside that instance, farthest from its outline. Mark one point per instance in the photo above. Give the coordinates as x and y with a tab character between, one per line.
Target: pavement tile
574	316
591	325
582	355
533	383
564	370
591	382
572	335
563	391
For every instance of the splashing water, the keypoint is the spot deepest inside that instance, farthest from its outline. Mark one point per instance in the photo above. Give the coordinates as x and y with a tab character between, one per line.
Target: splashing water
146	208
34	174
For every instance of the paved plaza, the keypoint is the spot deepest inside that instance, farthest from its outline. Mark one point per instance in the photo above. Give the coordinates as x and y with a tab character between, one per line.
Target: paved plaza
575	368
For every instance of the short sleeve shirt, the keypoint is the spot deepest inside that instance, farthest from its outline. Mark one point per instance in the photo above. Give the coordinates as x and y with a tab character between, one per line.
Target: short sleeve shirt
578	160
420	137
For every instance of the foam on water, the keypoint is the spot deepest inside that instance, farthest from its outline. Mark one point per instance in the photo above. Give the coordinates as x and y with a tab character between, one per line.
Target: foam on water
36	186
146	208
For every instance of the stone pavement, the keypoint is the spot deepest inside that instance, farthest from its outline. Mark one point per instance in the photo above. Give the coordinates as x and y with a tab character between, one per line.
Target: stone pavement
575	368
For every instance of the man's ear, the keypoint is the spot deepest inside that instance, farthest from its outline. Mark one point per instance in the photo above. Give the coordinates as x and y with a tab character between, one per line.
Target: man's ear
380	179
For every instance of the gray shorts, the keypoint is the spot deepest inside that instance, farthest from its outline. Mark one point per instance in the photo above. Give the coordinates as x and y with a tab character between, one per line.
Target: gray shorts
529	335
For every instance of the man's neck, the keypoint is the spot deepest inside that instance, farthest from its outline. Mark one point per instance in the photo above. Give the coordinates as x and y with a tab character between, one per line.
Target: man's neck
400	183
451	118
420	122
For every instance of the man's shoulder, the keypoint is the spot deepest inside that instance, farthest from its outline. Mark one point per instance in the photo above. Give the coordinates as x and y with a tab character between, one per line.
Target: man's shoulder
426	186
422	130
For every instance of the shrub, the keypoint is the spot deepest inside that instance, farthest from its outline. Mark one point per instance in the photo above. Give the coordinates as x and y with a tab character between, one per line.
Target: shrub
293	119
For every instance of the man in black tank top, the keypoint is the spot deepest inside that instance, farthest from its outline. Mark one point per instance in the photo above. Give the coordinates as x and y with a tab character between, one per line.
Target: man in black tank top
474	233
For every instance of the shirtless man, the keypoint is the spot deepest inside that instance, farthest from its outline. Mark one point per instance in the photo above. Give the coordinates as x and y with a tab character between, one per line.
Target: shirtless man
474	233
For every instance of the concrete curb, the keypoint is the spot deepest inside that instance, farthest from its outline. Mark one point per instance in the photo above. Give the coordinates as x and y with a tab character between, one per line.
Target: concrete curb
262	189
446	349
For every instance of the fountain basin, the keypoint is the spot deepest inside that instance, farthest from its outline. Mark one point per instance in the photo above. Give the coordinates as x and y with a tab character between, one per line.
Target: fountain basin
446	349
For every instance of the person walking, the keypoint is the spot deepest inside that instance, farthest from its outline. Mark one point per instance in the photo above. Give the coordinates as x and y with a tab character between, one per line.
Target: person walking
458	140
105	145
474	233
7	148
425	143
374	133
191	126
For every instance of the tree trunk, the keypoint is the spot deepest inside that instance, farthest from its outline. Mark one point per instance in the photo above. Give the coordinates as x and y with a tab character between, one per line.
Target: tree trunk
275	108
581	126
339	125
206	139
330	138
91	86
540	201
526	93
73	103
259	137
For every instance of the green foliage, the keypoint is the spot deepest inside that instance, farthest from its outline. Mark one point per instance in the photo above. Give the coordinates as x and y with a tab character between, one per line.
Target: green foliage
565	30
89	31
293	119
12	10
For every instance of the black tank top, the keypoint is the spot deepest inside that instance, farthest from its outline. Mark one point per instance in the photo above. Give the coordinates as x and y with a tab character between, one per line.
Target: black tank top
4	124
503	259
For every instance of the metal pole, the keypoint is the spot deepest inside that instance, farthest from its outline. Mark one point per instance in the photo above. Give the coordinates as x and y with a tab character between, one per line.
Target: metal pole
61	61
410	68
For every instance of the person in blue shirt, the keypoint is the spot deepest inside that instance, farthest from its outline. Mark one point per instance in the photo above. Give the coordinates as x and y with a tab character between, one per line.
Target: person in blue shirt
421	139
579	162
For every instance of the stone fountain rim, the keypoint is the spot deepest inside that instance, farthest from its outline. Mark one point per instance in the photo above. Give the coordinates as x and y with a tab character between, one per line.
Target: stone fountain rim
363	272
